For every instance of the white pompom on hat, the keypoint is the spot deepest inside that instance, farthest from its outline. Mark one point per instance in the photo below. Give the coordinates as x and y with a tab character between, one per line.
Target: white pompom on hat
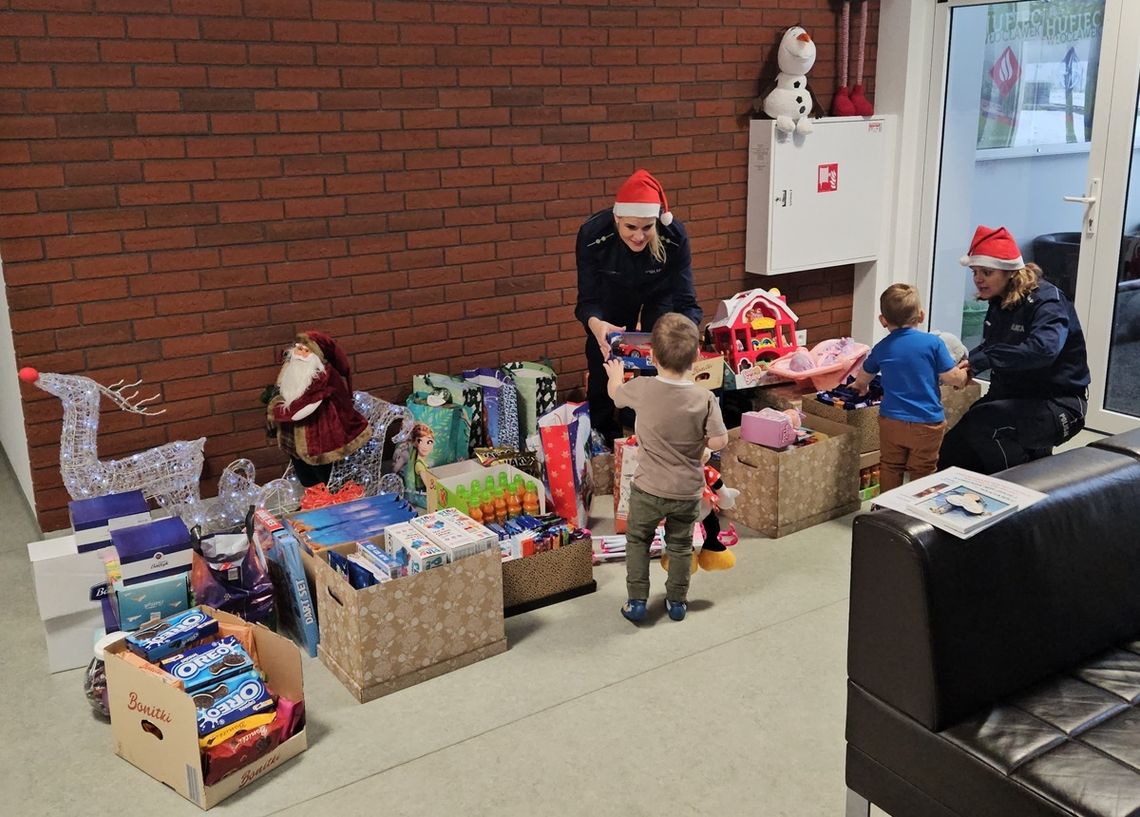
641	196
993	248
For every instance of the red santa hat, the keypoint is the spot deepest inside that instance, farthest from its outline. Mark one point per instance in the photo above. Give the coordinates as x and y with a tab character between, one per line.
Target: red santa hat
993	248
641	196
329	351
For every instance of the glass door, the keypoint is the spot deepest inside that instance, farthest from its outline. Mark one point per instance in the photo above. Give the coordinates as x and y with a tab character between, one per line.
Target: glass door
1028	136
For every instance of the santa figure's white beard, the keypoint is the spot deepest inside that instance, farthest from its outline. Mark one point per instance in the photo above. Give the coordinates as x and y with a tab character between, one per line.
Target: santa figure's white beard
297	373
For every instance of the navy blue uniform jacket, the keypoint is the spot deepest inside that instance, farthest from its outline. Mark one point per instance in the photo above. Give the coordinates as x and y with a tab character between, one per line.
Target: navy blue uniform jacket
1035	349
618	285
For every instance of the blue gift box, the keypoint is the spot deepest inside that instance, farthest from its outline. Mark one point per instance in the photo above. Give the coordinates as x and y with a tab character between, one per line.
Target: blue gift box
151	551
93	519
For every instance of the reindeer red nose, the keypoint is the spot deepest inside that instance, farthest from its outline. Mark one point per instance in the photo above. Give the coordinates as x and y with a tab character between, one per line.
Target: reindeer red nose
29	375
804	38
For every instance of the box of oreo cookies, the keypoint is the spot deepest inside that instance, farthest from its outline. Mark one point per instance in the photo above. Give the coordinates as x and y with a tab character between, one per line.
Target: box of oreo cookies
206	703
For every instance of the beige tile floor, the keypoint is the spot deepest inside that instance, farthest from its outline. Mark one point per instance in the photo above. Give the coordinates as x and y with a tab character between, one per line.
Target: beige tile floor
738	710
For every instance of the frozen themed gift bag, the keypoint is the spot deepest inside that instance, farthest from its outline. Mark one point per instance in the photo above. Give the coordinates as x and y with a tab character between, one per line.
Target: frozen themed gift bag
441	434
565	435
462	393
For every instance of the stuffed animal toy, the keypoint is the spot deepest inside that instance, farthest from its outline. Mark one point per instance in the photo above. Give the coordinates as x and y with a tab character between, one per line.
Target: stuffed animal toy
714	554
852	101
789	101
954	346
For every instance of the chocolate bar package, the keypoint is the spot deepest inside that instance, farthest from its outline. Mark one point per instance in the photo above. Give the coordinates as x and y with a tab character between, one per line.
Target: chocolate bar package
231	700
242	749
201	666
164	637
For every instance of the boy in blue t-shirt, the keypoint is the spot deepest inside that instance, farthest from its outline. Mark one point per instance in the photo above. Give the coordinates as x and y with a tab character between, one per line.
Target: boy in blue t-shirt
912	362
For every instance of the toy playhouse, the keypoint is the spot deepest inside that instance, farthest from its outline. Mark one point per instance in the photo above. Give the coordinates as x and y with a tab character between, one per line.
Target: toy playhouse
753	328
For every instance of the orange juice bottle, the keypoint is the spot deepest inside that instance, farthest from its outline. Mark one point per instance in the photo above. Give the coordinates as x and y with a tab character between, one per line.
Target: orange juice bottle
519	489
487	505
473	509
500	509
514	505
530	500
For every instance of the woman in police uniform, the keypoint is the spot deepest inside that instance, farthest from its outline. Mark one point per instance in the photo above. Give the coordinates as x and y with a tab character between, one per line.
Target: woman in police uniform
633	267
1034	348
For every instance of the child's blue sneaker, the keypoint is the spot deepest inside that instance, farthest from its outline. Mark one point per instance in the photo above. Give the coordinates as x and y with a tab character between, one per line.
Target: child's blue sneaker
634	610
676	609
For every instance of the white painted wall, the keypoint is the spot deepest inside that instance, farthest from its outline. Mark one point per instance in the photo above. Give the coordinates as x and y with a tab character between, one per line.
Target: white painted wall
12	436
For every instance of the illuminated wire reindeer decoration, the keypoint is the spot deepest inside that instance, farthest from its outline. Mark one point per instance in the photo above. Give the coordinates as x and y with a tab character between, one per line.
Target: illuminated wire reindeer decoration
167	473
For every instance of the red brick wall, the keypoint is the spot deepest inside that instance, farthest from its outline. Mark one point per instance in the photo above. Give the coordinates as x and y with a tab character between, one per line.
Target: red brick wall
185	183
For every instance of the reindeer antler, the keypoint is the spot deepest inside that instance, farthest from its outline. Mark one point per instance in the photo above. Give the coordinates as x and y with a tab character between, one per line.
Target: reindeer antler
127	402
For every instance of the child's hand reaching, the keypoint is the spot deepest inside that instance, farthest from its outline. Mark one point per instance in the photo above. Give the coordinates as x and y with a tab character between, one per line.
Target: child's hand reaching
615	370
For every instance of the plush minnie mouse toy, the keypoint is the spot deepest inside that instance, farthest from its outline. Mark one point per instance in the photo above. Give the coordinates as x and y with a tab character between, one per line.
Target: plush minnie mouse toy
714	554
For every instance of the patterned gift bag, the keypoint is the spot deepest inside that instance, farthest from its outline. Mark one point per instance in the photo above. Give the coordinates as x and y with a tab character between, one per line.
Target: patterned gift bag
463	393
538	392
625	466
565	433
500	405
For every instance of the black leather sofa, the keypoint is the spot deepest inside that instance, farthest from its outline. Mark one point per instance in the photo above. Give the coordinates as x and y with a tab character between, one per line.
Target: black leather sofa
1000	675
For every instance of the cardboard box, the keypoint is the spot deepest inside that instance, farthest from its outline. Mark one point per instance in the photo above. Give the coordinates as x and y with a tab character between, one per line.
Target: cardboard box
67	586
347	522
444	479
156	725
865	421
136	604
708	371
785	491
388	637
782	396
955	402
93	519
602	473
456	533
548	577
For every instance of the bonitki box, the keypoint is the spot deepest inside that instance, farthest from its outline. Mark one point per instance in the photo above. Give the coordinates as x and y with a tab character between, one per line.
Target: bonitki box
392	635
155	724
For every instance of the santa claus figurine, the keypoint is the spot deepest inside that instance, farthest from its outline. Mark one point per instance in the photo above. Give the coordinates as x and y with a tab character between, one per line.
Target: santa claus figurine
313	413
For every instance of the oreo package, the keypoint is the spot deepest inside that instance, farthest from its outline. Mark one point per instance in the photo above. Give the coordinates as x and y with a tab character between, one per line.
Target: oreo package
201	666
164	637
231	700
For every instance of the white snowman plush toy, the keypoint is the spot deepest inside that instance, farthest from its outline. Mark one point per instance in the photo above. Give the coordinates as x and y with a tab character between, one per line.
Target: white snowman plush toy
790	102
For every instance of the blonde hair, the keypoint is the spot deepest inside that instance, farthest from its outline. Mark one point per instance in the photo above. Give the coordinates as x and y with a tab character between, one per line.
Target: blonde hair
656	245
675	342
899	305
1020	284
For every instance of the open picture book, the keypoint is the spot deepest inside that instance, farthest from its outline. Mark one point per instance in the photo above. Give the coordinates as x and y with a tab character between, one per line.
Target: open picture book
958	501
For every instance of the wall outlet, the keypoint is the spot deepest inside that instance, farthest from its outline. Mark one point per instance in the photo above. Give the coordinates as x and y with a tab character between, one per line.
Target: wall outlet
801	337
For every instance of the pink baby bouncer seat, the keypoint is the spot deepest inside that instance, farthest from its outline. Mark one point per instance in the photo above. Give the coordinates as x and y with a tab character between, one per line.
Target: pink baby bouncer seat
827	364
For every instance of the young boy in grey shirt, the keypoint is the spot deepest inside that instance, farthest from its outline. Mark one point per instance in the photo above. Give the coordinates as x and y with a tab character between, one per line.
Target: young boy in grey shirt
676	421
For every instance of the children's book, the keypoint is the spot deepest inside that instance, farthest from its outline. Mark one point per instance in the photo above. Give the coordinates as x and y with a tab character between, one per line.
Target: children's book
958	501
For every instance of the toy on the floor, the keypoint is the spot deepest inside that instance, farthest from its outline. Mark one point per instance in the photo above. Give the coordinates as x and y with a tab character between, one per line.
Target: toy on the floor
167	473
714	553
853	101
753	328
826	365
788	100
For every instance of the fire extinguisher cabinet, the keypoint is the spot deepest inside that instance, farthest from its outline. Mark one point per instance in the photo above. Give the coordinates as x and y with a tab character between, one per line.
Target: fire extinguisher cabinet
815	200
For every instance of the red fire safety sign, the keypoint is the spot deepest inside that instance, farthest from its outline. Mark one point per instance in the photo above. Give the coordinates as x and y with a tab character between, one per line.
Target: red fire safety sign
828	178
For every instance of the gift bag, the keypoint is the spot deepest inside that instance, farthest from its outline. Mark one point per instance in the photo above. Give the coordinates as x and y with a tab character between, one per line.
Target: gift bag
463	394
500	406
538	393
441	434
228	572
625	466
565	434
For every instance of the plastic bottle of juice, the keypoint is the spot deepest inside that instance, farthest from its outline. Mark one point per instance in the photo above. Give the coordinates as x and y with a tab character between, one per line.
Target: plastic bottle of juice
500	509
474	510
487	504
514	505
520	488
530	500
489	485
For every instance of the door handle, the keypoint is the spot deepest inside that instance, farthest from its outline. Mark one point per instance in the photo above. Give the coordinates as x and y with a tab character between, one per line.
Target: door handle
1089	200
